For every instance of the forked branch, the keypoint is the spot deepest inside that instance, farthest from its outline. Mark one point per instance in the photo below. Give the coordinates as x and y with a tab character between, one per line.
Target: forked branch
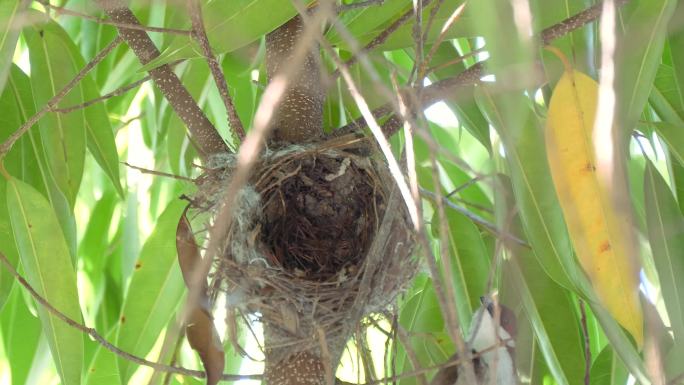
203	132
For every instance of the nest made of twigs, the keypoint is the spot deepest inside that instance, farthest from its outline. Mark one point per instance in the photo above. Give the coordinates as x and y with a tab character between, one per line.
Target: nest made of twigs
319	239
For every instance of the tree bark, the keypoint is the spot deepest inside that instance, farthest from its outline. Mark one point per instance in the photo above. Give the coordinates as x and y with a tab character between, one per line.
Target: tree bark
303	368
202	131
299	117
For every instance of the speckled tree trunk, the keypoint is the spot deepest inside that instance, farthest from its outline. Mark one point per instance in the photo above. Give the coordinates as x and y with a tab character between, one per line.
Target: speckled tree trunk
300	116
299	119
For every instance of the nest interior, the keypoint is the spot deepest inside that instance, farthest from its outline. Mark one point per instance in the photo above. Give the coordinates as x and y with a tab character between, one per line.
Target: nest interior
319	239
319	214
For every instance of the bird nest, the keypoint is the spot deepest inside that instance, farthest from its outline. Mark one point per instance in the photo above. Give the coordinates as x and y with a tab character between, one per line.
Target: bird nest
319	239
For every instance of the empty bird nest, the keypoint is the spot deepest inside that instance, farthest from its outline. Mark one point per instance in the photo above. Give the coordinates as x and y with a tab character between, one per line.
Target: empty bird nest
319	238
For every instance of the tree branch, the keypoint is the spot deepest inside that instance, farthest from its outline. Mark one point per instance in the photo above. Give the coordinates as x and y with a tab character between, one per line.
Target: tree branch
381	38
116	92
471	76
587	346
106	344
195	9
203	132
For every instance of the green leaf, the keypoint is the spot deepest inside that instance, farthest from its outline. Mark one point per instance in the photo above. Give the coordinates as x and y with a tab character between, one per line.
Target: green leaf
403	36
21	334
47	263
7	246
237	68
463	104
666	235
101	142
608	369
27	158
666	96
94	243
229	26
17	162
420	313
470	262
511	57
673	136
63	135
9	33
546	325
155	290
16	103
368	21
98	128
103	370
675	45
533	188
637	58
577	45
549	307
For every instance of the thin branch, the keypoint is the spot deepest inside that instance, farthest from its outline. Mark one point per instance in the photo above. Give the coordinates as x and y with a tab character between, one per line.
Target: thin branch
466	185
159	173
458	60
203	132
420	37
106	344
381	37
200	34
65	11
124	123
587	347
431	20
442	35
575	22
52	103
360	4
443	284
410	353
417	34
476	219
119	91
471	76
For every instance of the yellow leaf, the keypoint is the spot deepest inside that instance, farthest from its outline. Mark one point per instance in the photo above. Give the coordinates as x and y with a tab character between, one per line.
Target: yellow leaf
593	224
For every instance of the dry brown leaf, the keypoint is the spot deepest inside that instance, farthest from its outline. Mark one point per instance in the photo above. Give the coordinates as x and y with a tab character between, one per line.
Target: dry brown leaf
200	329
